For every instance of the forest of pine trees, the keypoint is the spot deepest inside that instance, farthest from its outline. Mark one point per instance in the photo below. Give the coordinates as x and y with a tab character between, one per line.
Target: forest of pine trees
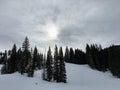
54	68
96	57
26	60
104	59
22	60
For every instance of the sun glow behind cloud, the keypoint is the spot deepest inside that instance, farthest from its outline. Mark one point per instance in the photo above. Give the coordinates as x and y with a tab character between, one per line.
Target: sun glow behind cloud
51	31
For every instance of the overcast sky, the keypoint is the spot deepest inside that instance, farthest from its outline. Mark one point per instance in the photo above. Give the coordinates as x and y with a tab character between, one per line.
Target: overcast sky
63	22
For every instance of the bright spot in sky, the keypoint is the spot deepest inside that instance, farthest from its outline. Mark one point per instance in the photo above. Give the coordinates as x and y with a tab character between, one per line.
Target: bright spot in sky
52	31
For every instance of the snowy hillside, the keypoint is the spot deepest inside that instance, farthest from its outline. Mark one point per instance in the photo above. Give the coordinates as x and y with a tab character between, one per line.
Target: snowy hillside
80	77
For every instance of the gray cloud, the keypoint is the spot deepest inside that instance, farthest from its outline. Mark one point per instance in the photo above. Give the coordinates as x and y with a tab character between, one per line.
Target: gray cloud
79	22
70	34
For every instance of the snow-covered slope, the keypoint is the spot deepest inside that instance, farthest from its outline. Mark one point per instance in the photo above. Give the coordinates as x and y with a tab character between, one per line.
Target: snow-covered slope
80	77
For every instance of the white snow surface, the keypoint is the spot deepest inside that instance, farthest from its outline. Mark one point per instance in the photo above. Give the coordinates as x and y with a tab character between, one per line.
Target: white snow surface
79	77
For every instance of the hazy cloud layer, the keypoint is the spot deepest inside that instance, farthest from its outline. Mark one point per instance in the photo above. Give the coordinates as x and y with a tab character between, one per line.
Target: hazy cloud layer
79	22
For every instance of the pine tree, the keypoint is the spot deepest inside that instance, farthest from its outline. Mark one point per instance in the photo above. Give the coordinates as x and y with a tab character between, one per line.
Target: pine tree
12	62
62	70
114	60
40	61
67	55
30	70
49	65
25	45
56	65
4	69
90	58
26	56
19	59
44	77
71	55
1	60
79	57
87	54
35	57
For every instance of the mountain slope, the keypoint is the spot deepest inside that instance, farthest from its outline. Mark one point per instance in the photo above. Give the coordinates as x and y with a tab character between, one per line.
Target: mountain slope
80	77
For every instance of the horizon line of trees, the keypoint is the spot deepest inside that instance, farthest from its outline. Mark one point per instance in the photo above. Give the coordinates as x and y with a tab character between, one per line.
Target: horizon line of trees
96	57
24	60
104	59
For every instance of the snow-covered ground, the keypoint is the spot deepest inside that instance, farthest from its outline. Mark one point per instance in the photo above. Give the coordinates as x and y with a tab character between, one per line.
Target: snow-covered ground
80	77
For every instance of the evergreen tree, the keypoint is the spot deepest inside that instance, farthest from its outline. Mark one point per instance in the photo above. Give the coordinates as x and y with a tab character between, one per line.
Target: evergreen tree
12	62
89	57
67	55
56	65
30	70
1	58
19	60
40	61
26	56
114	60
79	57
49	65
44	73
97	49
35	58
4	69
71	55
103	57
25	45
62	76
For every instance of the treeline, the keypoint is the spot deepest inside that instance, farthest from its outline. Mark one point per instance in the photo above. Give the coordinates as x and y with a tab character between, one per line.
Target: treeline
22	60
25	61
104	59
96	57
76	56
